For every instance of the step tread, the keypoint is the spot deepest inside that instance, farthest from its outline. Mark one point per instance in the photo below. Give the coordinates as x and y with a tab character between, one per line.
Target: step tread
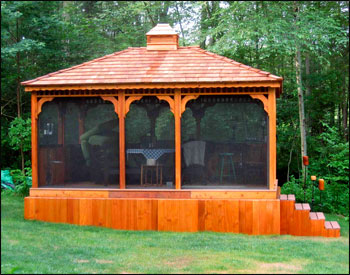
306	206
291	197
320	216
313	216
335	225
328	225
283	197
298	206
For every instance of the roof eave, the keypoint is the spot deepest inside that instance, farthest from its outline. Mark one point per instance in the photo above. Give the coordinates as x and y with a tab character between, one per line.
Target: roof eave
31	87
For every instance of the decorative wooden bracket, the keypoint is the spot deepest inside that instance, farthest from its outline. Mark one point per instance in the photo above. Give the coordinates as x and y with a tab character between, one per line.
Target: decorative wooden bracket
40	104
114	102
169	100
264	100
186	99
130	100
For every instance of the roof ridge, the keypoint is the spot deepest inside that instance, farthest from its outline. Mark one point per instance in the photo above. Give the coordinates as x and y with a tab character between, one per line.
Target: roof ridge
74	67
226	59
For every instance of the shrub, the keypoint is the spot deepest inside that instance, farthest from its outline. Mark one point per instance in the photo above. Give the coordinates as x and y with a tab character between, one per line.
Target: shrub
22	180
329	159
335	197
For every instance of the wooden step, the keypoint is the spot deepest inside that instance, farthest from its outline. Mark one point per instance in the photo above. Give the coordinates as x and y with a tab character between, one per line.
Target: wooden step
332	229
301	222
297	220
317	223
286	212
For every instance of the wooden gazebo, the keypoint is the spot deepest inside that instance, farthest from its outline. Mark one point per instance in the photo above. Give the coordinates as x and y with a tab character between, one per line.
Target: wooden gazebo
161	138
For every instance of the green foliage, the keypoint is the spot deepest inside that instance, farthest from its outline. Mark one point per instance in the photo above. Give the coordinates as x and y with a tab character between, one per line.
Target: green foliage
22	181
332	156
331	162
335	197
20	134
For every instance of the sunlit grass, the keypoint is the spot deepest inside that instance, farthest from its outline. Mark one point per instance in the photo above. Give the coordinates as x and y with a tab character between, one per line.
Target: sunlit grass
39	247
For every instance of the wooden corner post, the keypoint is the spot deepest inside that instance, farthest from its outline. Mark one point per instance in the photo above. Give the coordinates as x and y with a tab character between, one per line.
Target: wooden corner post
121	103
272	137
34	117
177	115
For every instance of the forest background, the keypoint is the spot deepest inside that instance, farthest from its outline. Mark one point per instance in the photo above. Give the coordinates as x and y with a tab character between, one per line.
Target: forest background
305	42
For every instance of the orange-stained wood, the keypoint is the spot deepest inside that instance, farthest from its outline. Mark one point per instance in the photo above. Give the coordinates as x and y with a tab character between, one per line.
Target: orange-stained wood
40	104
85	212
177	109
128	102
152	193
272	136
144	92
99	216
168	99
34	140
50	192
29	208
186	99
114	102
73	210
273	84
178	215
220	215
237	194
121	102
258	217
264	100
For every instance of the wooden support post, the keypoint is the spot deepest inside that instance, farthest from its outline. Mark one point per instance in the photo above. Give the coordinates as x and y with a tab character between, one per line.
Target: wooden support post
177	115
34	141
121	102
272	137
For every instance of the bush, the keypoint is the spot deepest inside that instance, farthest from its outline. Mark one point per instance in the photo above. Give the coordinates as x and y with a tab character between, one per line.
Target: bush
329	159
22	180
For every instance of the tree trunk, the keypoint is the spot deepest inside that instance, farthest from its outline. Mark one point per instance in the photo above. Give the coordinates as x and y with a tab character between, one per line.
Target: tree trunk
301	104
179	19
18	89
308	90
345	113
300	92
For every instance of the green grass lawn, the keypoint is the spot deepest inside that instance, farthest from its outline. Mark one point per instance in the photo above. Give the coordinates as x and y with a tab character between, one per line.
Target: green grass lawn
39	247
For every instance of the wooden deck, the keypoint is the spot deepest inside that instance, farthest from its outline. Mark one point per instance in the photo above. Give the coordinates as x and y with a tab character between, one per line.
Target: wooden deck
154	193
253	212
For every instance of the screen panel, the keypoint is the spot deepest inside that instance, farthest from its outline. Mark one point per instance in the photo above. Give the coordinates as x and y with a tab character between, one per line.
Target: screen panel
78	144
224	143
150	145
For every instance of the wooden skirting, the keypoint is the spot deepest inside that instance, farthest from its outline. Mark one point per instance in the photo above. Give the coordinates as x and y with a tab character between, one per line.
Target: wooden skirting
182	215
248	216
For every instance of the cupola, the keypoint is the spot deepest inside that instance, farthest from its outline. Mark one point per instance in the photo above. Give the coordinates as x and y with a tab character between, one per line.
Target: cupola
162	37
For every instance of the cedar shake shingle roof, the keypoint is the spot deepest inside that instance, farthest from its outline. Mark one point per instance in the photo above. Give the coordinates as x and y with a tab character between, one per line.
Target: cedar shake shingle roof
139	65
